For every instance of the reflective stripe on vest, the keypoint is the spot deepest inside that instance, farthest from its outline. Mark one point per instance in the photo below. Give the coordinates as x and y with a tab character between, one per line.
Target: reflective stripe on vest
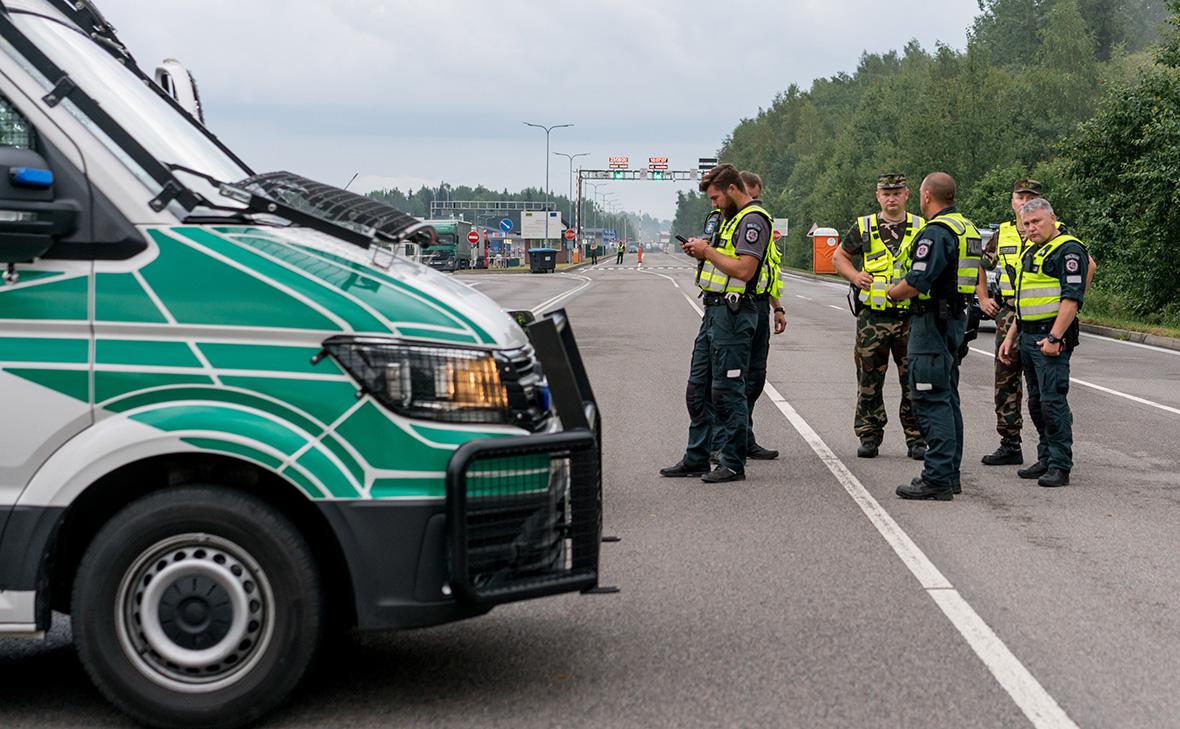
1009	251
880	263
1038	296
970	251
713	280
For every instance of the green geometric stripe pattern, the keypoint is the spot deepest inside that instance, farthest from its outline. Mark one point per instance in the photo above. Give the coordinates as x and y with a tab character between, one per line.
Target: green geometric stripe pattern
267	404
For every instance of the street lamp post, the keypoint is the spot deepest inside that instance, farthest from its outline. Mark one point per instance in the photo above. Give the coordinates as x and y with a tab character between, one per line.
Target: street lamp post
547	129
571	158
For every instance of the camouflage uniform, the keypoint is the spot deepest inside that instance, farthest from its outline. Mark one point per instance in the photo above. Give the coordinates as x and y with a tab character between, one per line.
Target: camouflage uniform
879	336
1009	390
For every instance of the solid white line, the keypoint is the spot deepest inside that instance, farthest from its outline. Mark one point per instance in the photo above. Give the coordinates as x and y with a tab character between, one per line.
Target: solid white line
837	308
1027	693
1153	348
664	276
815	281
540	307
700	312
1107	390
805	298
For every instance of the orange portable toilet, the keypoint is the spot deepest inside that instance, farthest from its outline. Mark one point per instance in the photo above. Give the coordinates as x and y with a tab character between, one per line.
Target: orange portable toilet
824	242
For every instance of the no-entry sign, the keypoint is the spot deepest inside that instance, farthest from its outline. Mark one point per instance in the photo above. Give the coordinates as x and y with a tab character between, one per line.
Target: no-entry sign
570	234
473	237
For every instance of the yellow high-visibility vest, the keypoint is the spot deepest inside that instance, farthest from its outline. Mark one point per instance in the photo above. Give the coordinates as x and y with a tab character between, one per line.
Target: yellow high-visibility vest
1038	296
880	263
712	279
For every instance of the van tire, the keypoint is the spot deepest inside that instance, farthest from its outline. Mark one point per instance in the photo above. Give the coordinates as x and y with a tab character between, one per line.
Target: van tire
211	547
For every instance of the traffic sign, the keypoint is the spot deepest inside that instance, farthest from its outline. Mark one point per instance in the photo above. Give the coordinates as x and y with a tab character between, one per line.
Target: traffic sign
619	163
570	234
777	234
473	237
506	225
706	163
657	163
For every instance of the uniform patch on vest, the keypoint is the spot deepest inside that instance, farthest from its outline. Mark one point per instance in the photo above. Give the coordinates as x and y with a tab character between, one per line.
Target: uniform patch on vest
710	226
1072	263
1073	279
923	249
752	233
919	266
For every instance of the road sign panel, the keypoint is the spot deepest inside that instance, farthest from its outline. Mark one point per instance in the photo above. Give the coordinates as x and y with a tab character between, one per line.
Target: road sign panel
570	234
506	225
777	234
473	237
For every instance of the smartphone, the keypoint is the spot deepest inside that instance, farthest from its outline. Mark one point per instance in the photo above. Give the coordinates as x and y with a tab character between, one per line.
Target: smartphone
682	239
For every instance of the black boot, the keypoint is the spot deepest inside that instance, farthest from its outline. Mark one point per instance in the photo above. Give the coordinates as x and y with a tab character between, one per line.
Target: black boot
758	453
1008	454
917	450
1036	470
923	490
682	471
868	448
956	489
723	474
1053	478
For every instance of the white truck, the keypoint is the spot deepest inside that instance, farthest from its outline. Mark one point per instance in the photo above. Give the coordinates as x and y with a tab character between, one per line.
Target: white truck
233	417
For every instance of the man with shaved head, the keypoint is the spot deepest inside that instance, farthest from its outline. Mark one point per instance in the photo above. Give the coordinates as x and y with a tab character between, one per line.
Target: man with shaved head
938	273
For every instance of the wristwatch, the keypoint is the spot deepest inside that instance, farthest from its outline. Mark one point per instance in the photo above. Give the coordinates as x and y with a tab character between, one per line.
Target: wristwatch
779	310
1052	339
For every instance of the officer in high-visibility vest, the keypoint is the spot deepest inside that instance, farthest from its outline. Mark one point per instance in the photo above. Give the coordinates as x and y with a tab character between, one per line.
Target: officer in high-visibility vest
1004	253
1050	289
731	275
769	305
938	273
621	250
882	327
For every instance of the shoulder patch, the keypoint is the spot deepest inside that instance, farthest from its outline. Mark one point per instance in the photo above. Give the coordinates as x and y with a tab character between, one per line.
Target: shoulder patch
710	226
922	250
752	233
1072	263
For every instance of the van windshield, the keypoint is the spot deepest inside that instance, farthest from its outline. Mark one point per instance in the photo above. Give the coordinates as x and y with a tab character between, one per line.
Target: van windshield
166	133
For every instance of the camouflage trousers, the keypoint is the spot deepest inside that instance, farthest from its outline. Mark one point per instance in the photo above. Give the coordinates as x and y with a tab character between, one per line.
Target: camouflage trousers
1009	389
878	337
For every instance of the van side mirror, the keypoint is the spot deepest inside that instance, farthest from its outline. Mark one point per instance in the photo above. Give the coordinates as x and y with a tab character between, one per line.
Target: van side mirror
31	220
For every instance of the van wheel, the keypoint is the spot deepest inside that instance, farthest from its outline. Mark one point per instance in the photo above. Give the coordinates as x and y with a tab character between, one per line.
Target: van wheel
197	606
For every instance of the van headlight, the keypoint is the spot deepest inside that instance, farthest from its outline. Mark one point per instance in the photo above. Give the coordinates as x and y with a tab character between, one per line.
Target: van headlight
427	381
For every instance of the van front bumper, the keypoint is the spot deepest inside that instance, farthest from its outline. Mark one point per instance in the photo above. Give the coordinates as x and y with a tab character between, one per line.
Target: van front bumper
522	517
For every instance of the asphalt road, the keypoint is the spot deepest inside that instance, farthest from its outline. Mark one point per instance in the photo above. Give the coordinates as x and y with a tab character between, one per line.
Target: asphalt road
807	595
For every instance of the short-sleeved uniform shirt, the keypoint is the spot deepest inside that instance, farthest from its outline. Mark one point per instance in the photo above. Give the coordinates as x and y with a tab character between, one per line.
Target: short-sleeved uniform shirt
1069	264
935	256
752	236
891	235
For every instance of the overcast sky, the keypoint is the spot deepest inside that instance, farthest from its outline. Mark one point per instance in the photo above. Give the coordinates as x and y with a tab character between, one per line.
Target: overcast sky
411	93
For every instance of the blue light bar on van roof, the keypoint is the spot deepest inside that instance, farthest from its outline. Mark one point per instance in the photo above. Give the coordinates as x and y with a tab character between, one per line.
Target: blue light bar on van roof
31	177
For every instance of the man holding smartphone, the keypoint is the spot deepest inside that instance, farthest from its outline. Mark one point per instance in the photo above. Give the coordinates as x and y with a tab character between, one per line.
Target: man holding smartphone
730	276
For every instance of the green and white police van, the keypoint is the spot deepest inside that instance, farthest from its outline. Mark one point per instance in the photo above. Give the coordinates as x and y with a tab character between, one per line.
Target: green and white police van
234	419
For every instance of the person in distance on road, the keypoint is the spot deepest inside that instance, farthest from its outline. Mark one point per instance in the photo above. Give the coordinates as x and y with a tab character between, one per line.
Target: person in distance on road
937	275
882	326
731	275
621	250
1050	289
768	305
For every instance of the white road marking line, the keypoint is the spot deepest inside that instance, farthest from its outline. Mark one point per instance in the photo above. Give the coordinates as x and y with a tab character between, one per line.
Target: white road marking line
1107	390
837	308
544	305
805	298
665	276
1027	693
815	281
700	312
1100	338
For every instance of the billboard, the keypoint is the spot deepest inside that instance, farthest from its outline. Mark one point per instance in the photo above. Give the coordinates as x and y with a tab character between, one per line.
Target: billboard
533	222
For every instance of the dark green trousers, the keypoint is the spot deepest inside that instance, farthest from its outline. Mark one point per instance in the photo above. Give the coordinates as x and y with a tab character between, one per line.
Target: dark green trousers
934	389
756	378
1047	384
716	394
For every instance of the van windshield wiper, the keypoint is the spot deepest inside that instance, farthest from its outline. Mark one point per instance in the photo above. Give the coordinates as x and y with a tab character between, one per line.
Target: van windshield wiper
355	218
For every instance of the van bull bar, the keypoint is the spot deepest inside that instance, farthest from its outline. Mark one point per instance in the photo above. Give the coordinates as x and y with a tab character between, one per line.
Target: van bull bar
524	514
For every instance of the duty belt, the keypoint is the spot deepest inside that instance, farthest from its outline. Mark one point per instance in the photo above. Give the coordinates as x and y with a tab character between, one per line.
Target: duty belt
1043	326
714	299
887	313
945	308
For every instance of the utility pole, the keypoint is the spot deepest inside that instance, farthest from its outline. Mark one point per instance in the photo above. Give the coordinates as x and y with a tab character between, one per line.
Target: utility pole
547	129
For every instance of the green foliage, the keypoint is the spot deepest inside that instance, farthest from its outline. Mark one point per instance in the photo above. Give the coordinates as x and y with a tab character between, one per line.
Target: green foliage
691	210
1124	165
1070	92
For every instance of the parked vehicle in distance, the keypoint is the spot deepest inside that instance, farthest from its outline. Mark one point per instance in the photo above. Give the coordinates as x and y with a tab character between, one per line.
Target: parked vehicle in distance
451	251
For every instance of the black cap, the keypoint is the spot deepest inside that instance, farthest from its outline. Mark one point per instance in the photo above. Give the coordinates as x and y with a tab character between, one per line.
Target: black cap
1027	185
891	181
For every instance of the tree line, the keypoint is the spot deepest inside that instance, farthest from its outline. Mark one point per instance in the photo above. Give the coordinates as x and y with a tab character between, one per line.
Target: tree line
1083	95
